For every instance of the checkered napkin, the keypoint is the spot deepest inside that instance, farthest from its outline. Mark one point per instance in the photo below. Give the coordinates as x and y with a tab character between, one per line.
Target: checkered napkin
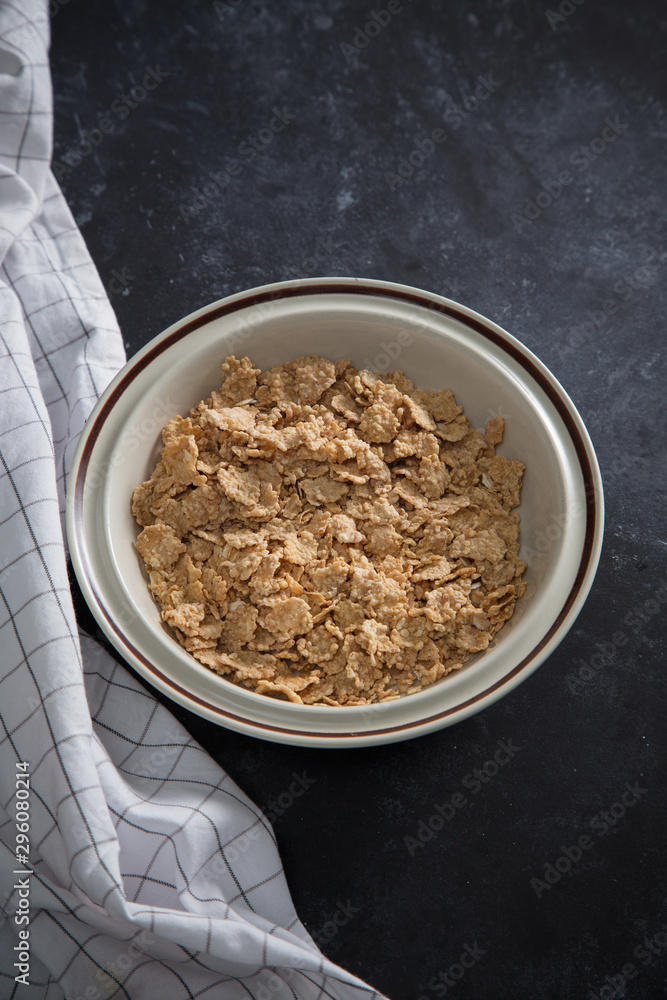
131	866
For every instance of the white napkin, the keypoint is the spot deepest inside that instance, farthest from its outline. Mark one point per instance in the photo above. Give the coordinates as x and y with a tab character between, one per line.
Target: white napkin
131	865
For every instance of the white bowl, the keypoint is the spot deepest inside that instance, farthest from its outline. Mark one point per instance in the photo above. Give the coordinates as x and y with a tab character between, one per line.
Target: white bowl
437	343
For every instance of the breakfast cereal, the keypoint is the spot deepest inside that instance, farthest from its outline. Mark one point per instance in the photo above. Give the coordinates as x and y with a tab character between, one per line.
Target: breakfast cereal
331	536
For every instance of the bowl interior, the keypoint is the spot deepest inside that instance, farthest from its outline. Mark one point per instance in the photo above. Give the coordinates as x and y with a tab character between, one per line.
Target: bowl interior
436	351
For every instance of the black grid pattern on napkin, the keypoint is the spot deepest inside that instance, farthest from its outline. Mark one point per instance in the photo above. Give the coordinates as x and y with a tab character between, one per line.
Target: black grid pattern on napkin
138	887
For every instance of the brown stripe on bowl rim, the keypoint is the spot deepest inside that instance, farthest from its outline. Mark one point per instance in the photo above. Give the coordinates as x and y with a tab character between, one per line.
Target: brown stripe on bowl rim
329	287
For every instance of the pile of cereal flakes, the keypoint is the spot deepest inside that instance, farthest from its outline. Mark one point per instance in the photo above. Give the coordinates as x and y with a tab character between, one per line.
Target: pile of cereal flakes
331	536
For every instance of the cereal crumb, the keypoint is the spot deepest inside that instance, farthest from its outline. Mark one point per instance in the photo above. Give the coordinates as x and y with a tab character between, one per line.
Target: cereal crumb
331	536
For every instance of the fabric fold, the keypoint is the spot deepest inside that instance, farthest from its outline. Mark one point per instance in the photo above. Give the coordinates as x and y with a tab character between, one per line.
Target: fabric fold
131	865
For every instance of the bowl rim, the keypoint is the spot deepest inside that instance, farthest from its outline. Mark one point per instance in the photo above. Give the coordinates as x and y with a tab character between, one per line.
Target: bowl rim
588	561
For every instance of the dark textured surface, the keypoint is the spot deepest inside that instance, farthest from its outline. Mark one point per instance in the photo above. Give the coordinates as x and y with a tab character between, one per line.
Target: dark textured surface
456	225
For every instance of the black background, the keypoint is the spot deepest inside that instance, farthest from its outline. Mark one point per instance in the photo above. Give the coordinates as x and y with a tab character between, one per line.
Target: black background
317	200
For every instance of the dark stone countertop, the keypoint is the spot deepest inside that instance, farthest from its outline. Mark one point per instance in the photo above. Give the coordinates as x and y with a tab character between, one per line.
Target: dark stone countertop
578	274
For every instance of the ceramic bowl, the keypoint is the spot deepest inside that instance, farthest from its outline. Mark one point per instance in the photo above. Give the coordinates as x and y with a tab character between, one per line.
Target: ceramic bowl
379	325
